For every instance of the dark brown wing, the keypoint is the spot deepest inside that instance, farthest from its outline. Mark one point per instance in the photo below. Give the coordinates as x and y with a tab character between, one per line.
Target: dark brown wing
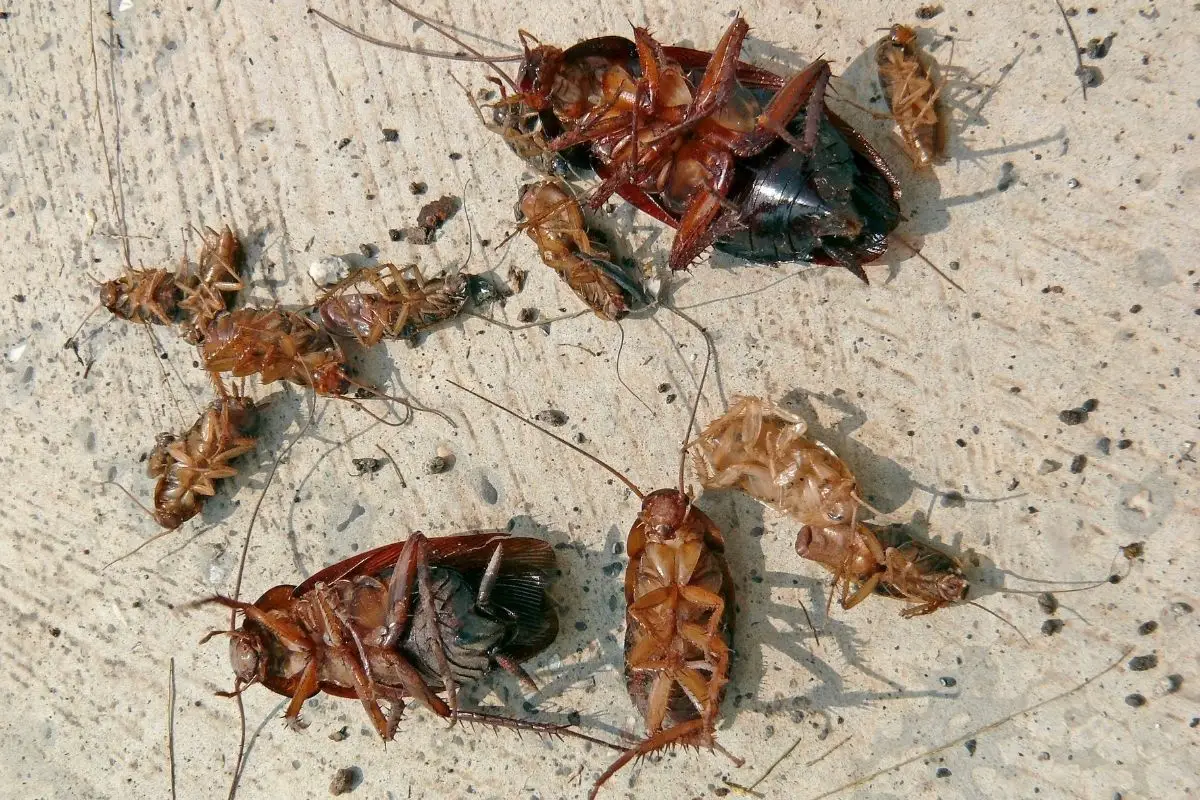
467	553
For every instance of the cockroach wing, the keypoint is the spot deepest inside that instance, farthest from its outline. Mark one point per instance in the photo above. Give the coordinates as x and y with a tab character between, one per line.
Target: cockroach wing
747	74
523	594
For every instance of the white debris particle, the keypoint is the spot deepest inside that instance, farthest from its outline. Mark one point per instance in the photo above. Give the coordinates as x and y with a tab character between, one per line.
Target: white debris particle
328	270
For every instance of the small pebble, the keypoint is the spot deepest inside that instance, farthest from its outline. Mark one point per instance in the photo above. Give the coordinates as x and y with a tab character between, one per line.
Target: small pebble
1048	602
930	11
340	735
1104	444
1180	608
1078	463
970	744
527	315
418	187
1043	756
1073	416
343	781
580	438
942	772
1052	626
368	250
1073	184
1143	663
1124	444
1148	627
948	682
1007	177
395	234
437	465
488	492
1090	405
1135	700
391	135
552	416
1049	465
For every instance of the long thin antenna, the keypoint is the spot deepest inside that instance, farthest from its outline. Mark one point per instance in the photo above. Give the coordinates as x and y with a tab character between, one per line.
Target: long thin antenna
632	487
699	387
171	723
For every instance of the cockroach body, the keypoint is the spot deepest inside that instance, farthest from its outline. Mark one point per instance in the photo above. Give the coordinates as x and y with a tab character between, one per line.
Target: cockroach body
188	466
276	345
214	285
192	297
553	219
888	562
725	152
679	616
912	93
408	620
762	449
399	305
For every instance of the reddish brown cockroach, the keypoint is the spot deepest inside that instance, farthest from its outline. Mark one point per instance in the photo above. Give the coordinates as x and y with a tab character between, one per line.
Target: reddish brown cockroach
552	218
760	448
679	616
276	345
214	285
400	305
408	620
912	92
727	153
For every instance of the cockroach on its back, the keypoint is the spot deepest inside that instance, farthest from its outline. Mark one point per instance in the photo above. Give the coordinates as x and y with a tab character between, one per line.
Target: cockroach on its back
413	619
391	302
912	93
725	152
554	221
679	616
761	449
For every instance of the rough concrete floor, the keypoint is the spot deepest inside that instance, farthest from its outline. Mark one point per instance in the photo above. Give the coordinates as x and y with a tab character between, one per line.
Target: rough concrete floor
1069	223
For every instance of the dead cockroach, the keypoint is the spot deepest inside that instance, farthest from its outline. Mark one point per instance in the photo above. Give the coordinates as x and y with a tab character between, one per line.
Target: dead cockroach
761	449
391	302
912	92
885	561
214	284
188	466
276	345
553	219
408	620
433	215
679	615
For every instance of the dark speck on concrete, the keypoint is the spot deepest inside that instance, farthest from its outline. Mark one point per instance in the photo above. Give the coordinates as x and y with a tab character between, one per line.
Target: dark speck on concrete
1048	602
970	744
488	492
1052	626
1143	663
395	234
552	416
343	143
1073	416
1078	463
391	135
581	625
948	681
1090	405
953	499
942	772
1104	444
1008	177
1124	444
1135	700
1148	627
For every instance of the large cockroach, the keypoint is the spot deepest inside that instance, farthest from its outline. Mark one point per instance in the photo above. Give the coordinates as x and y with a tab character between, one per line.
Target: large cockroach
552	218
679	616
912	94
725	152
407	620
391	302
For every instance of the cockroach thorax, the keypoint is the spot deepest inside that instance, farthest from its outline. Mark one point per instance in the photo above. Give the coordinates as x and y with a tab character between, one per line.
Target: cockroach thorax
664	512
247	654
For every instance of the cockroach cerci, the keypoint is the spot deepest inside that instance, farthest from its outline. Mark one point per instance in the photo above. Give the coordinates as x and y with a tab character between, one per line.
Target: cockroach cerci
727	153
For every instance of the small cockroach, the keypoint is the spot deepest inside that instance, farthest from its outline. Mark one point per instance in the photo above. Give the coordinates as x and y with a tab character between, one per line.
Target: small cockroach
679	615
275	344
912	92
762	449
553	219
889	563
413	619
391	302
214	284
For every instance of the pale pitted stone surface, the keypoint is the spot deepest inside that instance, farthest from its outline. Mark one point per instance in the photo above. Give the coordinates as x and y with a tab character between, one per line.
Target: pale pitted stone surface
1079	281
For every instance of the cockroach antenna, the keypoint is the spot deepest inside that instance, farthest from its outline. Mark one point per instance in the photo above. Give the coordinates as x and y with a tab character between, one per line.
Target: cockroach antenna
613	470
475	57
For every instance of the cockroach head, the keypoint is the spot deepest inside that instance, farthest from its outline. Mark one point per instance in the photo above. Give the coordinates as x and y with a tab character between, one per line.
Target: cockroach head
537	75
331	380
902	35
953	587
663	513
111	294
248	656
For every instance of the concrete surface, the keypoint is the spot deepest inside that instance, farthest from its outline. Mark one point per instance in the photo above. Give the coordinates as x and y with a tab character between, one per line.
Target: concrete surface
1080	283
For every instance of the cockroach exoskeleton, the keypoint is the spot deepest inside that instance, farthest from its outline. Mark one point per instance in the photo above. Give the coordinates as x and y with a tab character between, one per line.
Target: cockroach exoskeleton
912	92
145	295
679	616
400	303
728	154
761	449
889	563
553	219
413	619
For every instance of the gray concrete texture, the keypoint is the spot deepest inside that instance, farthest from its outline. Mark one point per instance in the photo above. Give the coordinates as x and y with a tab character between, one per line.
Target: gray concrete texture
1070	224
